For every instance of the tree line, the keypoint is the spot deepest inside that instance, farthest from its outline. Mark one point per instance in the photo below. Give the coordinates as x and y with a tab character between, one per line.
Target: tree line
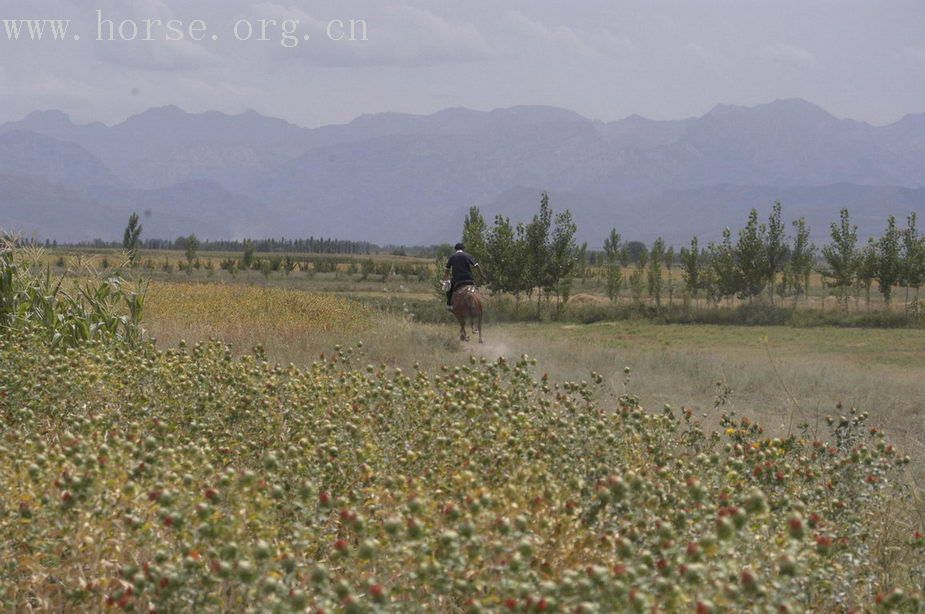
766	259
132	242
539	258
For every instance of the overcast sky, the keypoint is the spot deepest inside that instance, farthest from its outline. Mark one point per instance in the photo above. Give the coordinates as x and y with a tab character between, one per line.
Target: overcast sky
606	59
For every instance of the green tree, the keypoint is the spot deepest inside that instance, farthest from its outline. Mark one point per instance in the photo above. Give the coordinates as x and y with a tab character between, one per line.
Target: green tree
537	249
247	258
520	266
751	257
913	257
131	237
841	257
500	259
473	236
802	255
638	276
564	258
889	261
613	254
775	249
656	260
724	271
690	268
669	265
192	246
867	268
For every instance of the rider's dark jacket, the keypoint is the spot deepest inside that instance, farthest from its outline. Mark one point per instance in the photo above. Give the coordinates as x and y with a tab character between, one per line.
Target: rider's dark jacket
460	266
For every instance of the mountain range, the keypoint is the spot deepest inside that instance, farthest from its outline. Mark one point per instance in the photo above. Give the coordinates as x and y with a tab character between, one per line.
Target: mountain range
393	178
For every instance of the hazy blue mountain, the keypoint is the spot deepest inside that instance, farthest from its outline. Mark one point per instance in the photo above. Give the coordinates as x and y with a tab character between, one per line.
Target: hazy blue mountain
34	155
31	207
166	145
400	178
199	206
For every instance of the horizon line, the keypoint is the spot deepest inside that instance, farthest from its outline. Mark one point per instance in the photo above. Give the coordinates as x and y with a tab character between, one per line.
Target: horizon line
251	111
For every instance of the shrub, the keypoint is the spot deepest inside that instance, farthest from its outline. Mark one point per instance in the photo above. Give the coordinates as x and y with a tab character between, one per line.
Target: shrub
191	480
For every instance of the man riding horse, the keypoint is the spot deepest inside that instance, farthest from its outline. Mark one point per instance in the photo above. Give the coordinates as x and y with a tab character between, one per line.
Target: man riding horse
461	295
459	269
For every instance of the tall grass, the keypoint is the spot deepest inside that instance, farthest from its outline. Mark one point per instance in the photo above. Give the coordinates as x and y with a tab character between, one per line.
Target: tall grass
71	307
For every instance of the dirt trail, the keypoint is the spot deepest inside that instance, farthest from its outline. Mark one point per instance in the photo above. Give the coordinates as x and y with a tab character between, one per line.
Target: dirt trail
494	348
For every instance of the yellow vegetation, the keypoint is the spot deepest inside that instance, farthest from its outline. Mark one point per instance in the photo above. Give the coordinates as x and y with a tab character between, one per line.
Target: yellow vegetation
237	312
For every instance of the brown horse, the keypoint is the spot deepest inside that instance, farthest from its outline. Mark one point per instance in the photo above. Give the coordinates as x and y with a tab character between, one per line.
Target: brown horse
467	303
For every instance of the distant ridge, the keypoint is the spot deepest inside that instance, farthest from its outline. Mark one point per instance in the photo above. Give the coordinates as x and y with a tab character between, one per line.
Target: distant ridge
402	178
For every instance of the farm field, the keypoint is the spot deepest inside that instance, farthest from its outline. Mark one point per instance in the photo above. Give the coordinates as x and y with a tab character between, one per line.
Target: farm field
363	460
770	371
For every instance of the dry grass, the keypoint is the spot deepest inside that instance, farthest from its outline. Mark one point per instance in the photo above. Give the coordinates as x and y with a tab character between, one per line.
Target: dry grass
247	315
778	375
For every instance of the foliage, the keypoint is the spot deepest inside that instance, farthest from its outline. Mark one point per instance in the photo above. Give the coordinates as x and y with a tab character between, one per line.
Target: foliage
656	259
190	480
542	256
247	257
614	253
752	258
913	256
889	263
66	309
564	258
800	265
724	273
132	237
690	268
473	236
776	249
536	247
190	249
841	256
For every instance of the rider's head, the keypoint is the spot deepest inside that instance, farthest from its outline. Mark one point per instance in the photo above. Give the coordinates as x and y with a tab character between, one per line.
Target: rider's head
459	247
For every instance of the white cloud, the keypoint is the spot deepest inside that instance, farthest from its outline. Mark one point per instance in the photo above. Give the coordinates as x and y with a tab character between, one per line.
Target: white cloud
398	35
559	36
178	55
789	56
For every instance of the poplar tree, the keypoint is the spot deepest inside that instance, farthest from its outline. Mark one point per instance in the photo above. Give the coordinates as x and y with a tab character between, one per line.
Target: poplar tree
656	259
690	268
913	257
669	265
247	258
501	259
751	258
192	246
473	236
637	277
867	268
564	258
537	248
800	265
841	256
724	272
613	255
775	249
131	237
889	262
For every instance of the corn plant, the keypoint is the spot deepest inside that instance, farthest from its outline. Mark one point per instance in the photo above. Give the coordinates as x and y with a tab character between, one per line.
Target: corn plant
68	308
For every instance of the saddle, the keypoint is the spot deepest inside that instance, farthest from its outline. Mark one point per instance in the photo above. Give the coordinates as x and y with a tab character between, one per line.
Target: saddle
465	286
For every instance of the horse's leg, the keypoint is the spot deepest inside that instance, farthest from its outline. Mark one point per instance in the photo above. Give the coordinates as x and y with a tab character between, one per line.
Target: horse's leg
480	327
462	329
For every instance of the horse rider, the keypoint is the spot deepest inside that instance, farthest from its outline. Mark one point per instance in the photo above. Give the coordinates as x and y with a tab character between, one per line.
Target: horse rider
458	273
